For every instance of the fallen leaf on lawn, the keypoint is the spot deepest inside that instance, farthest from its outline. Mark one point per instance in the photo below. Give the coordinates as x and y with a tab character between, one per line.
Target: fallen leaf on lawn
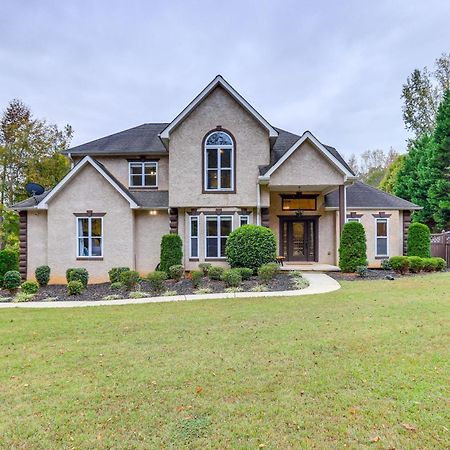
26	385
199	389
180	408
408	427
353	410
375	439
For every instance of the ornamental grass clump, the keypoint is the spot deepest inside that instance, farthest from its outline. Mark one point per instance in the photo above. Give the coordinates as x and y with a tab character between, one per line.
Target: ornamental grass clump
419	240
268	271
352	248
196	278
251	246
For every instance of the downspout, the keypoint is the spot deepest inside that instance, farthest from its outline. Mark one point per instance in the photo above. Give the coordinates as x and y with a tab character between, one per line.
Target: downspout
71	160
258	203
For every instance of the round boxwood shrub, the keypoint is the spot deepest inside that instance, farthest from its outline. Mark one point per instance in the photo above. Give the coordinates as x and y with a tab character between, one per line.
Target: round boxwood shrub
415	264
42	274
176	272
130	279
77	274
251	246
232	277
419	243
75	287
9	260
29	287
171	252
114	273
215	273
157	279
399	264
245	272
353	248
12	280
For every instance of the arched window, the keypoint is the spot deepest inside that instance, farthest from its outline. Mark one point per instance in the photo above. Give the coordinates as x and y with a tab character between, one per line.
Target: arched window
219	162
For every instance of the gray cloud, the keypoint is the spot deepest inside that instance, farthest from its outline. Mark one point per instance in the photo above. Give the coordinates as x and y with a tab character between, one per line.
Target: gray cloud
335	68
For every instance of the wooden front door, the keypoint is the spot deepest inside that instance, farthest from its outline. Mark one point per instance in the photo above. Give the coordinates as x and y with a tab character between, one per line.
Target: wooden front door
298	239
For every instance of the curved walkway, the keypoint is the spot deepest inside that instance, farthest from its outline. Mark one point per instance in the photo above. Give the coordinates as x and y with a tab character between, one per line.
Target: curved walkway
319	284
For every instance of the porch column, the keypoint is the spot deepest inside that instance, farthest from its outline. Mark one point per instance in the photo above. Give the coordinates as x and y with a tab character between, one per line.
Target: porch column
342	212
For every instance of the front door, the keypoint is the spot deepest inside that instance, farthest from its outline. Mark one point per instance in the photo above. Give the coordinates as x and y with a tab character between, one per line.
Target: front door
299	239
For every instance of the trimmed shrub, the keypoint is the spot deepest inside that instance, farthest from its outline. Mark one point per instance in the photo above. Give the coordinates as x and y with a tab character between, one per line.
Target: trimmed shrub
157	279
429	264
440	264
399	264
362	271
204	267
12	280
353	248
232	277
267	271
386	265
171	252
75	287
176	272
78	274
130	279
29	287
42	274
9	260
419	240
245	272
196	278
251	246
114	273
415	264
116	286
215	273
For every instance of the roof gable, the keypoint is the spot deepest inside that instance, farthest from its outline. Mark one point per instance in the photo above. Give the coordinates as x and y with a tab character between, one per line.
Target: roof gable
101	169
217	81
332	156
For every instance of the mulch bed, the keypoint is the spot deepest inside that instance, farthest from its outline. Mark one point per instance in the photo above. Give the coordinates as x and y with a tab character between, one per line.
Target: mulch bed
281	282
372	274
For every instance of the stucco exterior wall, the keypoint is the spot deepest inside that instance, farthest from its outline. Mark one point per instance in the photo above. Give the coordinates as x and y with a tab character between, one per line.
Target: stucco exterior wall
37	241
118	166
149	228
326	226
306	166
395	244
89	191
186	153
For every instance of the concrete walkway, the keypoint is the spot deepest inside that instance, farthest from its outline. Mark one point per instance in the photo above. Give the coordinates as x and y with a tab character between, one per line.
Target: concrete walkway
319	284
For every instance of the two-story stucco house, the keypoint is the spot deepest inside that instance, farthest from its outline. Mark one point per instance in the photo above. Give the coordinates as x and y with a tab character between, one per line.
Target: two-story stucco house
218	165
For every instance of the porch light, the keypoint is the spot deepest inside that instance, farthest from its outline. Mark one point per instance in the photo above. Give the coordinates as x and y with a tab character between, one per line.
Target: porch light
153	212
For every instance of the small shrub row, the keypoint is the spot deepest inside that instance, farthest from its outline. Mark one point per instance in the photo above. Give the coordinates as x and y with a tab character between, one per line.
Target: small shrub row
415	264
77	274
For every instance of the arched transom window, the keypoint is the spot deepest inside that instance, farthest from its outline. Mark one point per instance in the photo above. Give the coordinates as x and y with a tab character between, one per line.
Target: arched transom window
219	162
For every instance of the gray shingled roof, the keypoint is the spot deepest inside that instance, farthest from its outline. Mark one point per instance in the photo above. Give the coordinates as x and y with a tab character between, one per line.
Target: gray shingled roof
361	195
285	141
141	139
30	202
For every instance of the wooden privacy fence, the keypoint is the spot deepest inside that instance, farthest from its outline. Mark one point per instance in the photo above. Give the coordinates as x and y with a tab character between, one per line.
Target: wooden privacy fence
440	246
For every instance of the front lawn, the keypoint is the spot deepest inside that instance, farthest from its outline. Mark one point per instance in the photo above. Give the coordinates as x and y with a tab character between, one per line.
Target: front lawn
362	367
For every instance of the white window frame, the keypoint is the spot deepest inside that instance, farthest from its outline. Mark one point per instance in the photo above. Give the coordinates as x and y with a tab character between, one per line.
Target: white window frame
191	220
219	161
143	164
218	237
89	237
246	217
381	219
353	219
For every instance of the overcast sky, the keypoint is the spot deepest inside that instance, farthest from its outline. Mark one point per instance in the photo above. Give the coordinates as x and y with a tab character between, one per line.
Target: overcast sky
335	68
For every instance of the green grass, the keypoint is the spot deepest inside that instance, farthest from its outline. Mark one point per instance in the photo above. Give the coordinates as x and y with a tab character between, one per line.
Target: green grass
325	371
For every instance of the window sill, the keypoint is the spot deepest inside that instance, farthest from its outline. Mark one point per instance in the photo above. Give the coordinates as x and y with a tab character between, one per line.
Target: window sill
89	258
216	259
382	257
142	188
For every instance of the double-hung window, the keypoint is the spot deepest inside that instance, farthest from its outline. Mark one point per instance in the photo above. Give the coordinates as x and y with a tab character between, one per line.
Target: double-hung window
143	174
381	237
219	162
193	237
244	220
89	237
217	230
